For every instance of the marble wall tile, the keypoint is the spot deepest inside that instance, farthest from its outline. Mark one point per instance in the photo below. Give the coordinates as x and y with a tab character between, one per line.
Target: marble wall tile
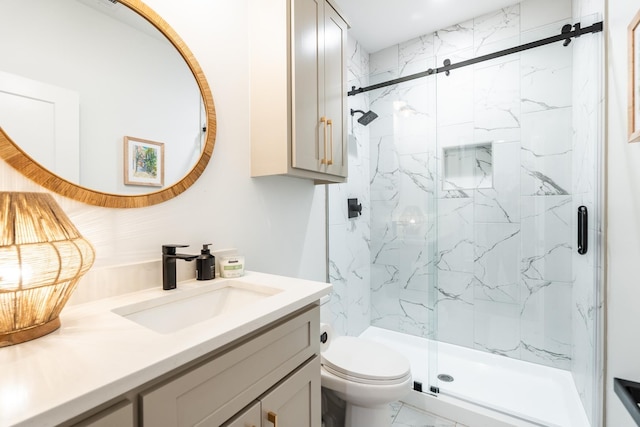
455	103
338	276
496	26
349	309
497	328
547	238
456	322
546	323
496	262
416	53
384	169
546	153
497	102
417	310
385	296
501	203
534	14
454	38
546	76
384	60
455	236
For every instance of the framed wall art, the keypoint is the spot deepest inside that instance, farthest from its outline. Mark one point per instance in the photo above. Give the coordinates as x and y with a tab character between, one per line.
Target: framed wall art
634	78
143	162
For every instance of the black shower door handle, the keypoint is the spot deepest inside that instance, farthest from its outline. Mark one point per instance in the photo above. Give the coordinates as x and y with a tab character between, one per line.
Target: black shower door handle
583	233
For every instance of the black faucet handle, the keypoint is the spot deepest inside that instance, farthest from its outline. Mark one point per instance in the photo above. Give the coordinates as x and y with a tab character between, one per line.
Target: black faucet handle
171	248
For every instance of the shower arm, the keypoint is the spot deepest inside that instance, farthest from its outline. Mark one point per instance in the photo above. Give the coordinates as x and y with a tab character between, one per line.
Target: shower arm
565	36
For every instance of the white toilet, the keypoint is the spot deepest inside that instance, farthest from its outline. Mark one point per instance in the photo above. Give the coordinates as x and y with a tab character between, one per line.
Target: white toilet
367	376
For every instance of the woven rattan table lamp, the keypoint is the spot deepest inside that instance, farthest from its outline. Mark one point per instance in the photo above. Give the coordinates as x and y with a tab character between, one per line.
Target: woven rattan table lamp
42	257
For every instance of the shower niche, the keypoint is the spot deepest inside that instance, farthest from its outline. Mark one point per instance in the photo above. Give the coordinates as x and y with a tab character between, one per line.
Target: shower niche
467	167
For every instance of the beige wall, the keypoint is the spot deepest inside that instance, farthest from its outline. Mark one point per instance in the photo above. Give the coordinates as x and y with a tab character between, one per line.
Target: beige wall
623	234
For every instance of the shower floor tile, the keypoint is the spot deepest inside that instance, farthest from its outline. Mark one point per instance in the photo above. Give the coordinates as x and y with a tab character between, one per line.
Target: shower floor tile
403	415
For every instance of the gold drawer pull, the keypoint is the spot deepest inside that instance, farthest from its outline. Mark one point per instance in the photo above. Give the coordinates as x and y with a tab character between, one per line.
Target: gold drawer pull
273	418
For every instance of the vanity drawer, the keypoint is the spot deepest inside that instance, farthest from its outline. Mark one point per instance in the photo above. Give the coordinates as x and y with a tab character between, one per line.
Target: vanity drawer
213	392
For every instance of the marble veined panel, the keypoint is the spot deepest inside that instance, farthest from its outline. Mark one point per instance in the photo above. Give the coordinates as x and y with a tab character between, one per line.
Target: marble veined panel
455	308
339	259
454	38
547	238
497	328
358	60
546	76
384	169
497	102
496	263
501	203
455	103
546	153
416	52
385	296
455	236
416	311
499	25
546	322
384	60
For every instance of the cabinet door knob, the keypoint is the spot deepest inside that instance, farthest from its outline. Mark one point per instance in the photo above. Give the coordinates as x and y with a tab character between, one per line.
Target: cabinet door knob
273	418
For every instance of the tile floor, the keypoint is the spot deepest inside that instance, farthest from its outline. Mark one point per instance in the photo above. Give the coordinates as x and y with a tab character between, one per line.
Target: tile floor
403	415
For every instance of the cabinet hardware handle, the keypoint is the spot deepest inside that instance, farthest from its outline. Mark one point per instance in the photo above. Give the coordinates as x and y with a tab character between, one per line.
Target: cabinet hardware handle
324	159
273	418
330	123
583	230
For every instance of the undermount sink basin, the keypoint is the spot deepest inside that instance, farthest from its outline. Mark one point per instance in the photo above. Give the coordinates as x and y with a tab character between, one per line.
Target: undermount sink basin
184	308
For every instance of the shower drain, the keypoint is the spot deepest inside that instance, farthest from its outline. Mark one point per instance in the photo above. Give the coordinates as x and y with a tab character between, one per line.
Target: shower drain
446	378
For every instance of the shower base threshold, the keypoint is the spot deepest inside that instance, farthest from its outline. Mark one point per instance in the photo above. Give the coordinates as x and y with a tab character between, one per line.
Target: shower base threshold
487	389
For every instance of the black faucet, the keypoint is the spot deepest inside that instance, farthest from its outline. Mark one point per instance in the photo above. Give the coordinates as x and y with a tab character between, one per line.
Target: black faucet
169	257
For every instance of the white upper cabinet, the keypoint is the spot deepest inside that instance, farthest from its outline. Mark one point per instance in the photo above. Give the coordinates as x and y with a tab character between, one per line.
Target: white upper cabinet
298	89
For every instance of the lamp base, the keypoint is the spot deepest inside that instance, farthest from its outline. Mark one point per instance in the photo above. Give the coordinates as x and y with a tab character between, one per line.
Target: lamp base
28	334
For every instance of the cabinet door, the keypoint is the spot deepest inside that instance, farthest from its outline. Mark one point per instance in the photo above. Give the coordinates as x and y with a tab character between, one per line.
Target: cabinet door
335	88
296	401
248	418
307	84
120	415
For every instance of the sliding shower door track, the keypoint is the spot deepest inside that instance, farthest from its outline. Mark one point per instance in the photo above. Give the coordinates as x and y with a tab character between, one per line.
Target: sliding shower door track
567	33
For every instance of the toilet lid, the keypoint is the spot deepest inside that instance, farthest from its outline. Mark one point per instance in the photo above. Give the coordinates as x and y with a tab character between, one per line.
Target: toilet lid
361	360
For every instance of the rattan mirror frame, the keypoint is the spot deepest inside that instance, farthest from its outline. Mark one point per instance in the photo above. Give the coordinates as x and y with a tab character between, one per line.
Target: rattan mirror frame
27	166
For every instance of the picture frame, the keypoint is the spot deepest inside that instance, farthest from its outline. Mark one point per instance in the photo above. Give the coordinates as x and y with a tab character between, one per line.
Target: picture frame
634	78
143	162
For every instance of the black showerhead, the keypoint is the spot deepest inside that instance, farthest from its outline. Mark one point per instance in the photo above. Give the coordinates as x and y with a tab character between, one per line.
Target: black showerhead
366	118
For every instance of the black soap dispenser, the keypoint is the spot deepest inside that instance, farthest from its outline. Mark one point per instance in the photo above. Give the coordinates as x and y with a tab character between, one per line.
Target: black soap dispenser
205	264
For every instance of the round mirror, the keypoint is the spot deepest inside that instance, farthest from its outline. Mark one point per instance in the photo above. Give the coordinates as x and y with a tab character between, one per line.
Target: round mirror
101	101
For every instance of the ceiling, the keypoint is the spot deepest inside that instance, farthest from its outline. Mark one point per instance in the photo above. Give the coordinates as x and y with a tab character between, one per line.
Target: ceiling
378	24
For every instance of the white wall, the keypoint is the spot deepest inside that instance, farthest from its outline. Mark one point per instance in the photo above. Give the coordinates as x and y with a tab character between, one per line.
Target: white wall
128	83
278	223
623	225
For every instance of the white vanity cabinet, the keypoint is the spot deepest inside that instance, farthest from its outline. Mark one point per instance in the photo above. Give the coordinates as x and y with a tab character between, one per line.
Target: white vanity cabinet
277	371
298	89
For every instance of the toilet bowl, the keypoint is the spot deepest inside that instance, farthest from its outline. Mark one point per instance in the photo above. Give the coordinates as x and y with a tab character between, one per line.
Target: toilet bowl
367	376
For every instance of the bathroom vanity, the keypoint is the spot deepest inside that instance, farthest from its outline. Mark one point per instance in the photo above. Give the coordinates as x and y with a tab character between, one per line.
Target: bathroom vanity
254	363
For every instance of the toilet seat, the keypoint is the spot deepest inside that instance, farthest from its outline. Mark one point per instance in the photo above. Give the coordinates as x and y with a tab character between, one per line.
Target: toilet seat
366	362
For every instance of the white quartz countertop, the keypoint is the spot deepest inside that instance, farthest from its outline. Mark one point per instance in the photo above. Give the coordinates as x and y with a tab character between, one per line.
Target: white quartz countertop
98	355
